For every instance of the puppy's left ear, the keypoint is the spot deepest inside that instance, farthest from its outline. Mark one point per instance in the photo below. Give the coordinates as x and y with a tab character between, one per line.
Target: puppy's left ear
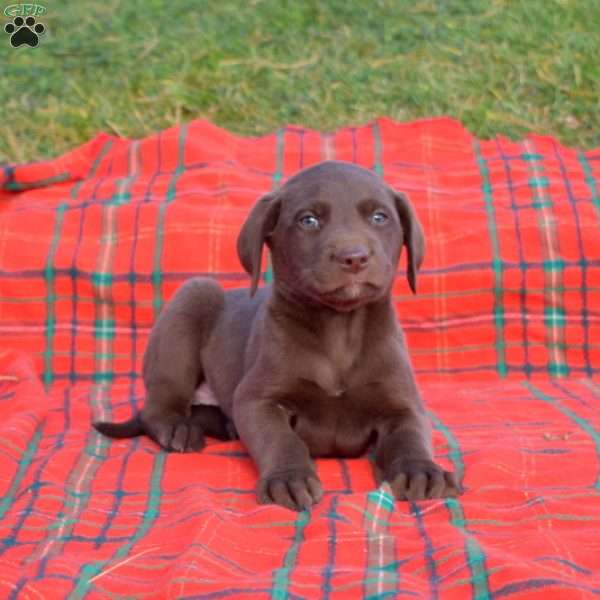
414	240
258	226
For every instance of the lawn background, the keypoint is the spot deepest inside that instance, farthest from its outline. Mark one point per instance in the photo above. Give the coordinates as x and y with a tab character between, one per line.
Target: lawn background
133	67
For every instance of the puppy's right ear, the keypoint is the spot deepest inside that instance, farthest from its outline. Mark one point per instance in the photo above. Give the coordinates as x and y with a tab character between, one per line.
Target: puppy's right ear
258	226
414	239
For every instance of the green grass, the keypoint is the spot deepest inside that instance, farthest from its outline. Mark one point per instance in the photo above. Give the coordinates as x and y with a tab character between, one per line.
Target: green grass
133	67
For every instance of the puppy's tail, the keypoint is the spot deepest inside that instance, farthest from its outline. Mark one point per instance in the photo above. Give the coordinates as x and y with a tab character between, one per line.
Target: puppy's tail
127	429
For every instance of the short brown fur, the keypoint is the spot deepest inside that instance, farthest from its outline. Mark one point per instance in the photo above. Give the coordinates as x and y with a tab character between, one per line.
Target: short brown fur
314	365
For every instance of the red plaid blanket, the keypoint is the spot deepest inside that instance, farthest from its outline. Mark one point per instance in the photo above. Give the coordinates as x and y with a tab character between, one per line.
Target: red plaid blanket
504	336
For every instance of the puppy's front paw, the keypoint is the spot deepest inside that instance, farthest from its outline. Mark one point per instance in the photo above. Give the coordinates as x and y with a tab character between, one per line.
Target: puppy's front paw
296	489
422	480
176	434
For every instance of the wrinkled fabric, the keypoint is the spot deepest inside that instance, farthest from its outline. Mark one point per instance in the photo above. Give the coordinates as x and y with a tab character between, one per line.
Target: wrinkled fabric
504	336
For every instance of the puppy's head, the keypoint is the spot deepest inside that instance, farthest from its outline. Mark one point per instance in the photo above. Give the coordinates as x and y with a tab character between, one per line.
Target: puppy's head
335	231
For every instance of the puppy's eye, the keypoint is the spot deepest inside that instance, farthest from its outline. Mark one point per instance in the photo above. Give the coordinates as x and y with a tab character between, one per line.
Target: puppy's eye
309	222
379	218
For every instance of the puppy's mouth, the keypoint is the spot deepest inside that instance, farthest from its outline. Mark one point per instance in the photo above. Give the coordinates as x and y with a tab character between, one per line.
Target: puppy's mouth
348	296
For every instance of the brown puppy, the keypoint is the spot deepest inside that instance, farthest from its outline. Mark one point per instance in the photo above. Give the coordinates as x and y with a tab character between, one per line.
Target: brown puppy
315	365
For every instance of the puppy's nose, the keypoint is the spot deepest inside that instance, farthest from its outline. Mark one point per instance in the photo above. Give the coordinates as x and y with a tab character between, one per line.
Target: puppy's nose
352	259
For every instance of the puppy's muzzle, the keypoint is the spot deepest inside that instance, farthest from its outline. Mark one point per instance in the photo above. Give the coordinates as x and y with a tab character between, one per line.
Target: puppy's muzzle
352	259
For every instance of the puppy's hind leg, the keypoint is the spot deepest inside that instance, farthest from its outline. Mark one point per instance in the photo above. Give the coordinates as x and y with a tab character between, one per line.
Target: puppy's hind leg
172	367
172	370
213	422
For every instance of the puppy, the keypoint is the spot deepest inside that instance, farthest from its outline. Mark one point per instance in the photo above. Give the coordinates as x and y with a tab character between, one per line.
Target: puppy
314	365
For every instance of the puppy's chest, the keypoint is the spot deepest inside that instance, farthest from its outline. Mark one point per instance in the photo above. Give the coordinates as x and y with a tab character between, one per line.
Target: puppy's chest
332	407
335	364
339	425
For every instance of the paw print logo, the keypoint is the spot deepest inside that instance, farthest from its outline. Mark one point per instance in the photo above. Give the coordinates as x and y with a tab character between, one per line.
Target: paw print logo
24	31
